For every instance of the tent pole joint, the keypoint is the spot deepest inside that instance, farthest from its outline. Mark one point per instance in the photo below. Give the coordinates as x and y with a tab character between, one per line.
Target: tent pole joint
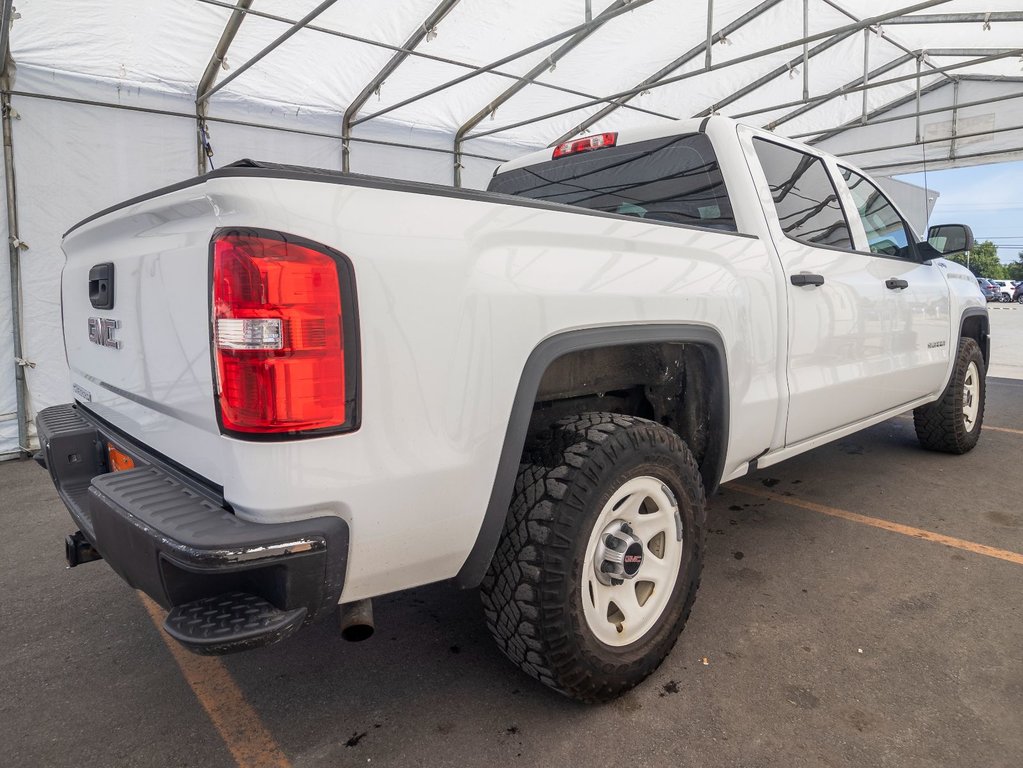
202	143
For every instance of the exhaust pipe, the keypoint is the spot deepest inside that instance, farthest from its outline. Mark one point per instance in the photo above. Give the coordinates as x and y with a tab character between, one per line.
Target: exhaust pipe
78	550
357	620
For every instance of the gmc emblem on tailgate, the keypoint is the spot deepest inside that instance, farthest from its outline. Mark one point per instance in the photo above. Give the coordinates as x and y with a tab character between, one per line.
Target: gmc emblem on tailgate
101	331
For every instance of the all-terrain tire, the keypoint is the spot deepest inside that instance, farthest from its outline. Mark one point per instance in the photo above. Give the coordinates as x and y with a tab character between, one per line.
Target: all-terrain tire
532	593
943	425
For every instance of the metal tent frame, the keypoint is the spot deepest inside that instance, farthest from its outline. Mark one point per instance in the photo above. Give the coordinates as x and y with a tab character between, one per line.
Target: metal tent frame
207	85
930	76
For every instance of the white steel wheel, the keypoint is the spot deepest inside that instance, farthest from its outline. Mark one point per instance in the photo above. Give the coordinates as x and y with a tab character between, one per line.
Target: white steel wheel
632	561
971	396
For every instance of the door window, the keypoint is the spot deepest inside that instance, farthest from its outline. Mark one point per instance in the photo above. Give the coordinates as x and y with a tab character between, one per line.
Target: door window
804	196
887	233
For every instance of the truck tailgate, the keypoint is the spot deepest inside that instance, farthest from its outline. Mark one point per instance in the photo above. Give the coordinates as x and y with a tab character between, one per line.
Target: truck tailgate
139	351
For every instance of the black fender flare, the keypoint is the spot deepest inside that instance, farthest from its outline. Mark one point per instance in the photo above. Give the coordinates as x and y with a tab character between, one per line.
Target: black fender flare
545	353
985	340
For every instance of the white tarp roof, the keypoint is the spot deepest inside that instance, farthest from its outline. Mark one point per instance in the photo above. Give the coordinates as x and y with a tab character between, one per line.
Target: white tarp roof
104	97
164	46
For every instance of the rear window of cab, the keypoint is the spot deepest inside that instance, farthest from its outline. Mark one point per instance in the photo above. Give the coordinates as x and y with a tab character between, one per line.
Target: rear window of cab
675	179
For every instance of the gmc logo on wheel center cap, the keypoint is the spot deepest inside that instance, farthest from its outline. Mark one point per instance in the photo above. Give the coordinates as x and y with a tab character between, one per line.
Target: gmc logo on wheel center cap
632	559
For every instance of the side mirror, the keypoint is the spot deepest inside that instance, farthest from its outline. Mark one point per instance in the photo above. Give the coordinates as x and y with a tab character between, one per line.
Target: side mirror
950	238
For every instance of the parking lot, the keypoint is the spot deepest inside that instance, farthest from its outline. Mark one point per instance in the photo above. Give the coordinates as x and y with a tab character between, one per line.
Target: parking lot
860	606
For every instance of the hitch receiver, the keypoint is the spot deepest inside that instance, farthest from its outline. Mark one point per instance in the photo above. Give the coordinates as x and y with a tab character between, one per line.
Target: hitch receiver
78	550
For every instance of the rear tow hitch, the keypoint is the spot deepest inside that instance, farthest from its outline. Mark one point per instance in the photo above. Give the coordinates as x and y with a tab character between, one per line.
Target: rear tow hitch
78	550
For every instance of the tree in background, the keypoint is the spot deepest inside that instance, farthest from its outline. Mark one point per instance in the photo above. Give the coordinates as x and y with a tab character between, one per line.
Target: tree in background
1015	270
984	261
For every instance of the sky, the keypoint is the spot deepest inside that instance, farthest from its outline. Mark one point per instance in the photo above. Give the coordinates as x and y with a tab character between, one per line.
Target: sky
989	198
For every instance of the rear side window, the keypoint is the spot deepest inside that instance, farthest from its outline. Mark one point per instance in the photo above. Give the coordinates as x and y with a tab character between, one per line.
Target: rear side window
804	197
674	179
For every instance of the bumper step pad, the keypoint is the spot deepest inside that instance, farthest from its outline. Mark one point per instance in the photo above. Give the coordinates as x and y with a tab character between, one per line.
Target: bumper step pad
232	622
231	583
70	448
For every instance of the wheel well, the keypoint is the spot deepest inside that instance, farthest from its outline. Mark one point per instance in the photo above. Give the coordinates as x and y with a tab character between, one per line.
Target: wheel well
679	385
976	328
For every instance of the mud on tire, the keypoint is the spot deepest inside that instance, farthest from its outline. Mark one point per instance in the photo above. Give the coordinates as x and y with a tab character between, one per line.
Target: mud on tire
533	592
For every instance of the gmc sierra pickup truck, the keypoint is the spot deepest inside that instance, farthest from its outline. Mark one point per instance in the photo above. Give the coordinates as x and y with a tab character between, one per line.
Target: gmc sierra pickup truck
297	388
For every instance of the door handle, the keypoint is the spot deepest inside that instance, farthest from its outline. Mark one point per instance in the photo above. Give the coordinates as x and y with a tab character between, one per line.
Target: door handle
804	278
893	284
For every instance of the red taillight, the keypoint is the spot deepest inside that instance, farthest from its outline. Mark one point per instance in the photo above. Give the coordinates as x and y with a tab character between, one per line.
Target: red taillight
278	335
585	144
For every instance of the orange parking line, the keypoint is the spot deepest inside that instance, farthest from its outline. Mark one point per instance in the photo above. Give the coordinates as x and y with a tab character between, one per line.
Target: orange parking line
1003	429
887	525
238	724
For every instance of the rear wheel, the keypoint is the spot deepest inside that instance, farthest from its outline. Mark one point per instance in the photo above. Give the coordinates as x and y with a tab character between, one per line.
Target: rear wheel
953	423
599	563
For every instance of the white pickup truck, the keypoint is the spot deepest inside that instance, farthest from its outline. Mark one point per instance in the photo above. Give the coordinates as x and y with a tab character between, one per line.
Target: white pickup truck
295	388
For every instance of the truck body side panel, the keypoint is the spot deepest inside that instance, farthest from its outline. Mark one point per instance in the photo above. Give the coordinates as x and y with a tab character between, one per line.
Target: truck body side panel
454	294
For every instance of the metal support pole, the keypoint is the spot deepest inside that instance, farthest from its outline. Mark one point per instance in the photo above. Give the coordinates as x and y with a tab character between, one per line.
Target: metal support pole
505	60
14	244
828	132
247	124
866	72
14	251
710	32
955	119
774	74
919	60
856	86
806	50
389	68
883	109
873	21
854	17
666	70
992	156
958	18
234	21
378	44
808	104
563	50
277	42
935	140
588	12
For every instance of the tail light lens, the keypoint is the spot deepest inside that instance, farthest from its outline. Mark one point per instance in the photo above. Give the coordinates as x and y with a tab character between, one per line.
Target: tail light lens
284	335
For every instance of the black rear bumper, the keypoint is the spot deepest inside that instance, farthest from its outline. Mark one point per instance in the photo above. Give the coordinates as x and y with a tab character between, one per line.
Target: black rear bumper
230	584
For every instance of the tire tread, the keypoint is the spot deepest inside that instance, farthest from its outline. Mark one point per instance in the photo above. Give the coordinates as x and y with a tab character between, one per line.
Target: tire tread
520	592
939	425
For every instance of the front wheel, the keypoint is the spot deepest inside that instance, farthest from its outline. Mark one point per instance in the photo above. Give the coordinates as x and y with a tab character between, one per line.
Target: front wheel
953	423
599	562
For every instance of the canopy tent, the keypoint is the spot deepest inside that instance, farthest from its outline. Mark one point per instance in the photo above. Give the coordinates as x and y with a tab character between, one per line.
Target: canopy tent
106	100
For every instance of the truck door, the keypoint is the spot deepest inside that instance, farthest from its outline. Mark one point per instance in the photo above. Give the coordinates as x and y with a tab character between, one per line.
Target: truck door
840	360
917	307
